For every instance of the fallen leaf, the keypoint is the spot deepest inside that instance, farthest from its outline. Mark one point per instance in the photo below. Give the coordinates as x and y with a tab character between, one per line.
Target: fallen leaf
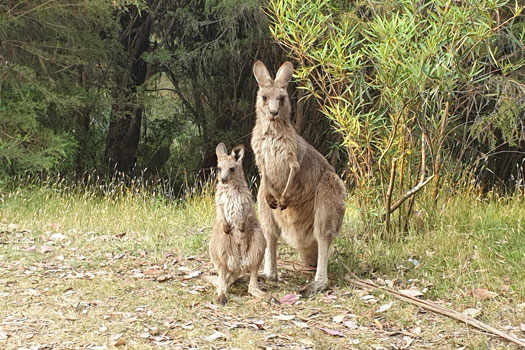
338	318
301	324
31	291
284	317
385	307
53	226
13	227
350	324
482	294
368	298
152	272
329	297
120	235
413	261
70	317
215	336
257	324
289	299
211	306
408	342
472	312
163	278
45	249
307	342
416	330
270	336
187	325
145	335
191	275
332	332
117	340
57	237
412	292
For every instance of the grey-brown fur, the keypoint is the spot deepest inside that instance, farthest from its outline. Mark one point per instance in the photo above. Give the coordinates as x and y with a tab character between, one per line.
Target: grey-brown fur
236	243
300	197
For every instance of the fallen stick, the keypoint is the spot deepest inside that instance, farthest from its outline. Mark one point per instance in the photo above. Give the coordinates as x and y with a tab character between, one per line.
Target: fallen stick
435	308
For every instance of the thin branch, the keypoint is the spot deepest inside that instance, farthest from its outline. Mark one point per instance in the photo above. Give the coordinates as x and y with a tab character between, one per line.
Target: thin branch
410	193
428	305
388	198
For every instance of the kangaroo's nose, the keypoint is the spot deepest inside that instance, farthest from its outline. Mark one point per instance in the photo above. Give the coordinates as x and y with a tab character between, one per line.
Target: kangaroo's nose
274	113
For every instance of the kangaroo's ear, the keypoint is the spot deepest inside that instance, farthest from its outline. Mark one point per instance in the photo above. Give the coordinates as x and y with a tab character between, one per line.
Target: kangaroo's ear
238	153
261	74
282	78
221	150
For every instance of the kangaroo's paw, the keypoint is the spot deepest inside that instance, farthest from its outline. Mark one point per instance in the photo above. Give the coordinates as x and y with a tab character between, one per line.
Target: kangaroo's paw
226	228
272	202
313	288
283	203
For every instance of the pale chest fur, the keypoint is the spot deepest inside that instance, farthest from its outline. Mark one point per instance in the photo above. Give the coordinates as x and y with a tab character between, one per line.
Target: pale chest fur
273	154
235	205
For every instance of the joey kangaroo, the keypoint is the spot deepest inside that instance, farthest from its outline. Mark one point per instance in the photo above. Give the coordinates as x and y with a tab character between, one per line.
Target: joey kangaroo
237	242
300	197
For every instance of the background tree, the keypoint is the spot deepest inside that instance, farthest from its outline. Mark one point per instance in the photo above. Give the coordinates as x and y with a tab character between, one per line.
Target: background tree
131	72
53	66
408	85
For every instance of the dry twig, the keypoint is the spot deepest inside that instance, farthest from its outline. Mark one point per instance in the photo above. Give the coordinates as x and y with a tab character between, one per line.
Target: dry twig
428	305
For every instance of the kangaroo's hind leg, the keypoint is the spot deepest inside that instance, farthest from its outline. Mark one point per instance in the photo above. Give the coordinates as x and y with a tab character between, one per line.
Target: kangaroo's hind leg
222	286
329	211
271	233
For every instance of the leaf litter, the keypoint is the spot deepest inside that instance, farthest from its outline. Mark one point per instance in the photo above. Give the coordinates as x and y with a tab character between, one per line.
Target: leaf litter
288	323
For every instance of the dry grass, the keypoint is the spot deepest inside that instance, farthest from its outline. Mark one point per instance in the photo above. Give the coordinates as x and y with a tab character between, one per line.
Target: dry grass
86	271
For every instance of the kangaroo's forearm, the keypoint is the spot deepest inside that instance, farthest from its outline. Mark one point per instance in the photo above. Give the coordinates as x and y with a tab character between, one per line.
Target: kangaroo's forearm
294	167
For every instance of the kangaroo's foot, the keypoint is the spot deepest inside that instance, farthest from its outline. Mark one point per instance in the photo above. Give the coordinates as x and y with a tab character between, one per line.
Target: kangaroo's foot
256	292
221	299
313	288
271	276
253	286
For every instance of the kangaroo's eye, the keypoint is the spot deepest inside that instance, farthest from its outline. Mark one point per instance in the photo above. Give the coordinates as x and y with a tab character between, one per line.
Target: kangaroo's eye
218	169
232	169
265	98
281	99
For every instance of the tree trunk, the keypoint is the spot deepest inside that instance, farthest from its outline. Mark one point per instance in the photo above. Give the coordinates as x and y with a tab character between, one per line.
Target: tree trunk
123	136
126	113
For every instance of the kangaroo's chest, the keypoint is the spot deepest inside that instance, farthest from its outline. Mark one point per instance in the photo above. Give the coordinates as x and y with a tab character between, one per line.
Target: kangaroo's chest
277	154
234	205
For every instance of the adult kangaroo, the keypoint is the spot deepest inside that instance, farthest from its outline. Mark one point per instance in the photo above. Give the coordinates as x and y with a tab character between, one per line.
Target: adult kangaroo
300	197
